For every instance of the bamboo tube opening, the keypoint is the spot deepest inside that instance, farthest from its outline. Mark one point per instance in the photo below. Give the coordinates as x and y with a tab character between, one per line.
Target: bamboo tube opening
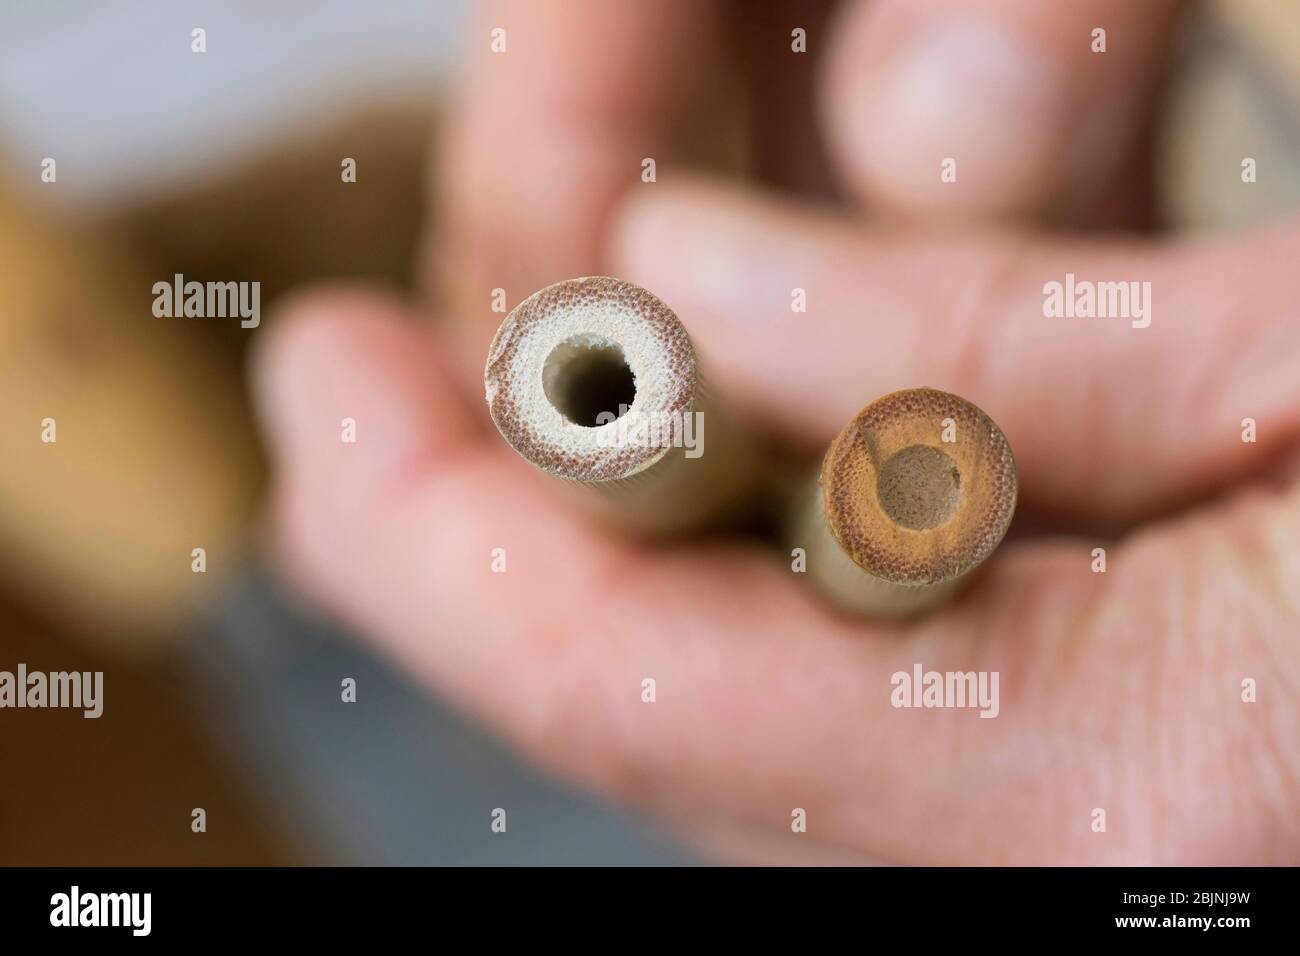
588	381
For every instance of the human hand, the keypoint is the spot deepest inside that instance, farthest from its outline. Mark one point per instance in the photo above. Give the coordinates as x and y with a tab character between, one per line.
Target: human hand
1120	691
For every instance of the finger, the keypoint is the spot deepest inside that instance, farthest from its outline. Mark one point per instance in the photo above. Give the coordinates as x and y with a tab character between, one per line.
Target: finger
1107	420
546	133
346	432
1013	94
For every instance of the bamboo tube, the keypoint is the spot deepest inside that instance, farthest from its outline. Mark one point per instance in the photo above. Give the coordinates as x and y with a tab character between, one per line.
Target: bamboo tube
595	381
915	492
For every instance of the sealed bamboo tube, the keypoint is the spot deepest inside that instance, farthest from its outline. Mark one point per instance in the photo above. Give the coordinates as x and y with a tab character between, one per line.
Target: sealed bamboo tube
915	492
595	381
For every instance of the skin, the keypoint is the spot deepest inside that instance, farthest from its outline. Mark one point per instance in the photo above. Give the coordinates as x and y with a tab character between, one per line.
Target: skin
1119	691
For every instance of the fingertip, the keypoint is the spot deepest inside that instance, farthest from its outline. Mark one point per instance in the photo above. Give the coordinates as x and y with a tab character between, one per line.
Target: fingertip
988	110
716	248
345	376
933	112
640	225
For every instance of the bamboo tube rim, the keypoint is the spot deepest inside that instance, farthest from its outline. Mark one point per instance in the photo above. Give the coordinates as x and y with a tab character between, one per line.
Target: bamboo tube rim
590	313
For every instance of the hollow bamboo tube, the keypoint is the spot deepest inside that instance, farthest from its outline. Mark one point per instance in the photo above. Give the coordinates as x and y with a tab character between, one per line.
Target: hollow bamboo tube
564	364
915	492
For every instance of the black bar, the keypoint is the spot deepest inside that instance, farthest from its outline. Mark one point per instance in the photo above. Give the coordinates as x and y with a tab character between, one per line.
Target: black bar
336	905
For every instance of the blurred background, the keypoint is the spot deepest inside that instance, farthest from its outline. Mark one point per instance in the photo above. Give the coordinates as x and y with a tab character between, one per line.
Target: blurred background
220	691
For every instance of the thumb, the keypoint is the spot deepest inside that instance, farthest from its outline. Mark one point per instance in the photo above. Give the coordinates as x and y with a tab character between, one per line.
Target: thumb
1024	104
